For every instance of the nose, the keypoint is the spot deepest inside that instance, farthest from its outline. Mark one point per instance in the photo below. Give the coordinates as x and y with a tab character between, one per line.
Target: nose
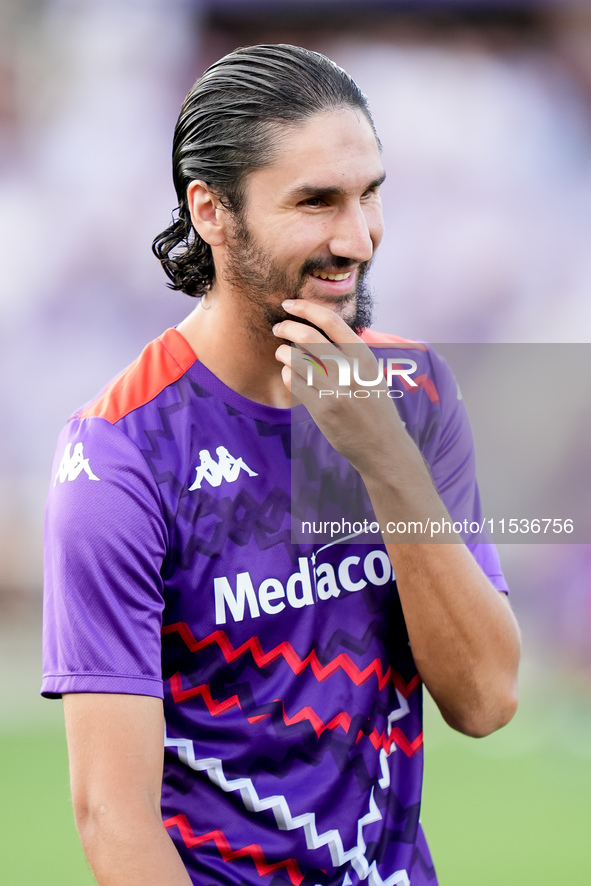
356	233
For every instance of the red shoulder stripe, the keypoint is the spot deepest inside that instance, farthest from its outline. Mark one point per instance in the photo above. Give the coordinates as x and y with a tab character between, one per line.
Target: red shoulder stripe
383	340
161	363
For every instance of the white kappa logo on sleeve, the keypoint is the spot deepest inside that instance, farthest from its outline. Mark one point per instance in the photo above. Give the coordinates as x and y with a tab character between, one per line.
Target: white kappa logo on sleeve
72	465
226	468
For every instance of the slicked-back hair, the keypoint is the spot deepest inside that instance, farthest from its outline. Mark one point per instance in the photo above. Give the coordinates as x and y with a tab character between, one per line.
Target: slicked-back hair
228	126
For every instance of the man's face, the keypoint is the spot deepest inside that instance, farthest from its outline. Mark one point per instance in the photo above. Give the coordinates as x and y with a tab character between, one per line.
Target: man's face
311	221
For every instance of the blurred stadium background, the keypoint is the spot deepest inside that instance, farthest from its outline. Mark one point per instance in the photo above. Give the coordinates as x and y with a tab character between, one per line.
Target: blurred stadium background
484	110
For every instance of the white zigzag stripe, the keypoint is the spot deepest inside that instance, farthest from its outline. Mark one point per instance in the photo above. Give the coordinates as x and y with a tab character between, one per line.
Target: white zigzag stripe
384	781
400	878
400	712
286	822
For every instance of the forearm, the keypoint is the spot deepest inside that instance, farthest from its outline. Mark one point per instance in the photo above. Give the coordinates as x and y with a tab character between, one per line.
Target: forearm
464	638
130	847
463	635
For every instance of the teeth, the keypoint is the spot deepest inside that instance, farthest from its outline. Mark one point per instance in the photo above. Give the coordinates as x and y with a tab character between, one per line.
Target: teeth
324	276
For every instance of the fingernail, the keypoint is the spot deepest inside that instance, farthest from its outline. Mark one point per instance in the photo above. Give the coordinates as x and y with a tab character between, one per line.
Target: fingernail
275	328
288	303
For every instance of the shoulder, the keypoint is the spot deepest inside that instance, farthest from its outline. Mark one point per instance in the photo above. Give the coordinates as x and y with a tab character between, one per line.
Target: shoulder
105	439
161	363
430	372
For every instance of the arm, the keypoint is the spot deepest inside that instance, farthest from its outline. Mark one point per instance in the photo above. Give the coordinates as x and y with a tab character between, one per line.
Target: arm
116	755
463	635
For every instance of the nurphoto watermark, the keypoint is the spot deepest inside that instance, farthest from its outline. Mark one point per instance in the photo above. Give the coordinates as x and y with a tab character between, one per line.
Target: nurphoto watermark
505	431
349	381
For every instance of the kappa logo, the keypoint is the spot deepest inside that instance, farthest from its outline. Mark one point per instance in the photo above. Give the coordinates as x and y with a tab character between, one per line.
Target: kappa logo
72	465
226	468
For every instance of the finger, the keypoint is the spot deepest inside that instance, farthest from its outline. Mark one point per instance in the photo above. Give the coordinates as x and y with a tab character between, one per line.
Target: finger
286	375
299	333
299	358
293	369
323	317
320	367
283	354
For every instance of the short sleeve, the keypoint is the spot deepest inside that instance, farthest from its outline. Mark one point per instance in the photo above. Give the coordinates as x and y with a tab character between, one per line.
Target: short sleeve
453	466
105	540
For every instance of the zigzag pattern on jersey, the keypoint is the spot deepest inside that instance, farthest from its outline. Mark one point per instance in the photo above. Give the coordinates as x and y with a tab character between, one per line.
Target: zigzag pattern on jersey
247	516
228	854
216	708
376	629
316	483
307	714
312	753
186	392
407	832
209	665
241	518
397	737
250	519
426	866
246	513
279	806
285	650
346	758
398	878
264	429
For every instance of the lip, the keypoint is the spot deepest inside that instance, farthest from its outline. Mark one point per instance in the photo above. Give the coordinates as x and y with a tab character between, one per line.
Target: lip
336	288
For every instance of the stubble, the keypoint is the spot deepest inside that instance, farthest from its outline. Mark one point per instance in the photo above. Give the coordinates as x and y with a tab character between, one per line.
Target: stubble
252	274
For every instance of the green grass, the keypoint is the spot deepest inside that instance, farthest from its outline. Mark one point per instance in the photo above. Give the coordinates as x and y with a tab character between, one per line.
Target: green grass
514	822
39	839
513	809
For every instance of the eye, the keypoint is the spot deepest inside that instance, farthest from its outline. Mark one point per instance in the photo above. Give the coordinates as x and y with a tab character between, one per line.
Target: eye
372	192
313	202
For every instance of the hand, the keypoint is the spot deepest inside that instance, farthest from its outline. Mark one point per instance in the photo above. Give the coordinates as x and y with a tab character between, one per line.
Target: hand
324	372
463	636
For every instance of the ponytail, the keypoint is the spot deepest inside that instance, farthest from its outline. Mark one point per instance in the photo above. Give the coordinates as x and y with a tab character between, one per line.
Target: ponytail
191	269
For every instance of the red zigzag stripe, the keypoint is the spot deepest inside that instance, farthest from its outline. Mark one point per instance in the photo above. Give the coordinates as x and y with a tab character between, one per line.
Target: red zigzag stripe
215	708
228	854
297	664
422	381
397	737
380	740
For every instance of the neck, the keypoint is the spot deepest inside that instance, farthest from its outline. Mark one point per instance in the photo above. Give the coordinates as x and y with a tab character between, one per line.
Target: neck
237	347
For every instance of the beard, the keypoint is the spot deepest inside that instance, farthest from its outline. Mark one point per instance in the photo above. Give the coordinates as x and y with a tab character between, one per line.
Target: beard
255	276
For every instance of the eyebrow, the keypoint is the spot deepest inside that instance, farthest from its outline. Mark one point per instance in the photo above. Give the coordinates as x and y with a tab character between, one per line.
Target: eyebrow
332	190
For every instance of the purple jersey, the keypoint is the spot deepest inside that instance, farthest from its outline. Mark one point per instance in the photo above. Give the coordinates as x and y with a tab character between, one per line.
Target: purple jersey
293	746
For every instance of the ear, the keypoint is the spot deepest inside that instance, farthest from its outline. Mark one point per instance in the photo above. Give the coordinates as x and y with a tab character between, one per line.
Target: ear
207	213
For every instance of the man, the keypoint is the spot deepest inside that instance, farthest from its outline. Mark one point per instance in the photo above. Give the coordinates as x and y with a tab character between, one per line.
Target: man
292	712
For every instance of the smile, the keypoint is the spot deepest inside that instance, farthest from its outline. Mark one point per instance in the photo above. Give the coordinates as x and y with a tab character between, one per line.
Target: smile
324	276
